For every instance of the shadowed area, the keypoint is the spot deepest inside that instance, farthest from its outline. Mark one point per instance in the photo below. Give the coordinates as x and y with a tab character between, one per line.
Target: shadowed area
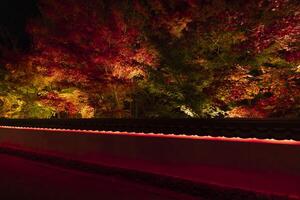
24	179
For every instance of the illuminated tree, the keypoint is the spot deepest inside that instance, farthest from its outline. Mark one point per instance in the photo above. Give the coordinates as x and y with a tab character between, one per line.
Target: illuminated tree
83	50
151	58
215	58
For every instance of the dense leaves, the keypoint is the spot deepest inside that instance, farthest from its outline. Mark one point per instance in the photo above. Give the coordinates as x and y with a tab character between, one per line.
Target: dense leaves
151	58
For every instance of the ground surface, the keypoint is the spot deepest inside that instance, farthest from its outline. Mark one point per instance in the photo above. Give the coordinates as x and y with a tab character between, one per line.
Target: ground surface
24	179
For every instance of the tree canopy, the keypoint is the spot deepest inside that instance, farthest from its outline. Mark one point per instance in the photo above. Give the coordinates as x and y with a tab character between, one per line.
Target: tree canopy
152	58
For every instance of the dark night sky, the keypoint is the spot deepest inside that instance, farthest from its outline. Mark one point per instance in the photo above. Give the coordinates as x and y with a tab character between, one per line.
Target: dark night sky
13	17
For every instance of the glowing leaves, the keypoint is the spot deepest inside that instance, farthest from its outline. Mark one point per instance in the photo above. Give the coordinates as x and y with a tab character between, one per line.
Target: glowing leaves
72	102
155	58
11	105
246	112
176	25
89	41
38	110
280	28
85	48
261	92
238	85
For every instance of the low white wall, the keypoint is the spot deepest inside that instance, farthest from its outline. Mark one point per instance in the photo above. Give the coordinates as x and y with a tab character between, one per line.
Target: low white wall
259	166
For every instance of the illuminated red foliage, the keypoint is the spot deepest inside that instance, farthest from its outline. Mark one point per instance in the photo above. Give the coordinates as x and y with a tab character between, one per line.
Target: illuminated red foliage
101	58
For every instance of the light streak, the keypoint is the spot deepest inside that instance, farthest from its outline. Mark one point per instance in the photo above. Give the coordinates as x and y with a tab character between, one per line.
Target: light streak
160	135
